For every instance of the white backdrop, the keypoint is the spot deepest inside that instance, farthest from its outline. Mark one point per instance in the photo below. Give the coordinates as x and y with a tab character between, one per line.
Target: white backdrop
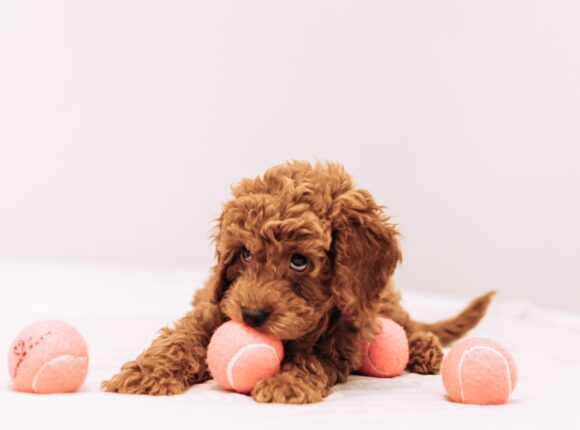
123	124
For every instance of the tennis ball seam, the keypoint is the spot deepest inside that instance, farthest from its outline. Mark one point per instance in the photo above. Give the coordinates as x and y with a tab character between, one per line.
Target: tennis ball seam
238	355
464	355
48	363
370	362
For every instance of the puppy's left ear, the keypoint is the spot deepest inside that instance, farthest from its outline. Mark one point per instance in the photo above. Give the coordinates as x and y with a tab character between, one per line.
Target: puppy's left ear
365	251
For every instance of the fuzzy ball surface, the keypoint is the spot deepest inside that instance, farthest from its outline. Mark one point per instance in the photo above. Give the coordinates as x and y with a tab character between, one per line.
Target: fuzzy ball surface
479	371
388	354
48	357
238	356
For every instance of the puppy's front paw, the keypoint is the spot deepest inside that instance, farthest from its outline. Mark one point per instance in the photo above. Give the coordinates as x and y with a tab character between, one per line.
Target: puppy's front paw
138	379
425	353
286	388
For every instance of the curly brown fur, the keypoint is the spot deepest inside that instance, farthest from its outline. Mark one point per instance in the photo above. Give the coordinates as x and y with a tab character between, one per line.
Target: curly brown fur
322	313
425	353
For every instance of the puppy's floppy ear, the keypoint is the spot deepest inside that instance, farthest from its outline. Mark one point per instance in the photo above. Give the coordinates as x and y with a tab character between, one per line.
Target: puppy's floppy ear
218	282
225	254
364	249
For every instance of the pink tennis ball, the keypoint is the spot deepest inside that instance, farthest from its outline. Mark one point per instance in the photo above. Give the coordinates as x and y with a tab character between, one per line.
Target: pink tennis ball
479	371
388	354
238	356
48	357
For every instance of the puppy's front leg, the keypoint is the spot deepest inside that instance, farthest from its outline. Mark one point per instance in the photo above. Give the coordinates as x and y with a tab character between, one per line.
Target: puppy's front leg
303	379
174	361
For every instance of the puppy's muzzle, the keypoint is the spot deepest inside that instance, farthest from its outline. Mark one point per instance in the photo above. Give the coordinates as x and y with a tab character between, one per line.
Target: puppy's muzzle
254	317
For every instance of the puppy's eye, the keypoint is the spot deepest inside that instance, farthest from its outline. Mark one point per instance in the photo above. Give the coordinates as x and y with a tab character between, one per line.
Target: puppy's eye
298	262
246	255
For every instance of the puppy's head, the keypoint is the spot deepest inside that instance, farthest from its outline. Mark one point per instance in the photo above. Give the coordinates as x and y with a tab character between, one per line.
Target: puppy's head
298	245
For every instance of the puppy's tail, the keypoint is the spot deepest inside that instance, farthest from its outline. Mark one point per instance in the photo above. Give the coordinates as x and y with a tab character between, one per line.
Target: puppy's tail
453	328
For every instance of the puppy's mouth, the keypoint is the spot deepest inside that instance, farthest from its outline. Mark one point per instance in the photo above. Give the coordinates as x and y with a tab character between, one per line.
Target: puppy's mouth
269	310
280	325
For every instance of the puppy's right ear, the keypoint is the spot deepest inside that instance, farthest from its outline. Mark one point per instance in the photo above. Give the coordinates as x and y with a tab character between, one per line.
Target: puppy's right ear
221	275
219	281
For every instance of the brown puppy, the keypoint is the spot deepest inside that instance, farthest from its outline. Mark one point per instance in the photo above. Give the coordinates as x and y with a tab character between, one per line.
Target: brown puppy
306	257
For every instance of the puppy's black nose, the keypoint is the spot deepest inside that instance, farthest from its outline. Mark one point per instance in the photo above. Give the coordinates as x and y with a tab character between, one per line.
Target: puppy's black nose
254	317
